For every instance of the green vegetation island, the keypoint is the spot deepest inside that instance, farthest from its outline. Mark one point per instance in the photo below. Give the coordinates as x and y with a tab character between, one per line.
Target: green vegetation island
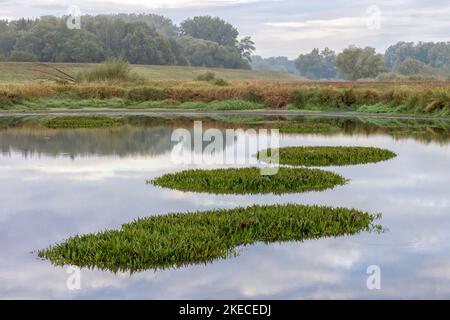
179	239
250	181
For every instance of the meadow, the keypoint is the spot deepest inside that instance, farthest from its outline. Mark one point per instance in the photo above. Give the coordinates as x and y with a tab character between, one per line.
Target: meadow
29	71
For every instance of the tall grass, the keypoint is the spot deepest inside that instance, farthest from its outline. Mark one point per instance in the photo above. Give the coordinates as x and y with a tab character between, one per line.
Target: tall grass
112	70
105	82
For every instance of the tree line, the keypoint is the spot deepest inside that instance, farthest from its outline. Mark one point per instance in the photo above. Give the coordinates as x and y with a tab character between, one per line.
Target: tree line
139	39
353	63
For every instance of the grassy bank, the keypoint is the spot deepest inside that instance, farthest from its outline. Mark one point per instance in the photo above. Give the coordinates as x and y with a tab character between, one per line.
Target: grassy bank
116	84
414	98
250	181
329	156
200	237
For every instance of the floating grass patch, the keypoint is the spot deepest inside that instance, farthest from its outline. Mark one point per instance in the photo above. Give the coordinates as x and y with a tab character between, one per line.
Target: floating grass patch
329	156
250	181
181	239
74	122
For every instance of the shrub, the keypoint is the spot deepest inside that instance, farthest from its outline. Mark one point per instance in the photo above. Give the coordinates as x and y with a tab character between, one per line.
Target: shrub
220	82
141	94
207	76
112	70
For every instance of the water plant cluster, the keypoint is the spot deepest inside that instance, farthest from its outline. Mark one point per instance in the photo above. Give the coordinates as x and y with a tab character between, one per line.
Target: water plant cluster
179	239
329	156
250	181
73	122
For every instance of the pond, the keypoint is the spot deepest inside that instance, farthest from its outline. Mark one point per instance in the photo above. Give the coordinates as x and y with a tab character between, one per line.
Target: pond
57	183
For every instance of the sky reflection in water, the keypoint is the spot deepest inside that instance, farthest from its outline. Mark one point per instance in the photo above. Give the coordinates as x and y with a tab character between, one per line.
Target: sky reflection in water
55	186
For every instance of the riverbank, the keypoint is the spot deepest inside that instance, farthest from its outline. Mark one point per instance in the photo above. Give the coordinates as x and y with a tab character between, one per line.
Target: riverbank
208	113
406	100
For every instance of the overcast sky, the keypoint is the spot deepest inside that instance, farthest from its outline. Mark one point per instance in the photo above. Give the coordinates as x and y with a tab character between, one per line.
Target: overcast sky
281	27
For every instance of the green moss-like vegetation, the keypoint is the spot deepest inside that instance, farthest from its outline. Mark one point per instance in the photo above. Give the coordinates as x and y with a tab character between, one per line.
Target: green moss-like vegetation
329	156
74	122
180	239
250	181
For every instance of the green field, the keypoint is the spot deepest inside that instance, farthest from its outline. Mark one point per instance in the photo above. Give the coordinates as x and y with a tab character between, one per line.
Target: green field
26	71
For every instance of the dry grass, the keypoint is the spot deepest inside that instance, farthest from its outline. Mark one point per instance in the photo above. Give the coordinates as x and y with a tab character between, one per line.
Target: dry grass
431	97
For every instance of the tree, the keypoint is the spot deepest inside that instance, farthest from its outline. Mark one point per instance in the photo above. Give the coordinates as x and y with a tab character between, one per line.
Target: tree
7	41
22	56
23	24
81	46
317	64
357	63
142	38
397	53
3	26
204	53
273	64
143	45
436	54
246	47
163	25
411	67
211	29
439	55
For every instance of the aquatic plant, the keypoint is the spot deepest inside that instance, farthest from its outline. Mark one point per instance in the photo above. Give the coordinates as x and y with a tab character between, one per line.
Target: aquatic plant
250	181
74	122
176	239
329	156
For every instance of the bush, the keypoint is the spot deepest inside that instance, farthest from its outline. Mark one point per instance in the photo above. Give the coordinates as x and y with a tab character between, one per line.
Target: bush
220	82
207	76
254	96
141	94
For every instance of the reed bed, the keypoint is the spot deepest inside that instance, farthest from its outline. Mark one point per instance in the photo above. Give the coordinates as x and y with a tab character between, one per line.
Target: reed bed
415	97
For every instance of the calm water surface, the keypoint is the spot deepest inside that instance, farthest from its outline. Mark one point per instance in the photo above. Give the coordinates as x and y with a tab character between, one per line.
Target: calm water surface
58	183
